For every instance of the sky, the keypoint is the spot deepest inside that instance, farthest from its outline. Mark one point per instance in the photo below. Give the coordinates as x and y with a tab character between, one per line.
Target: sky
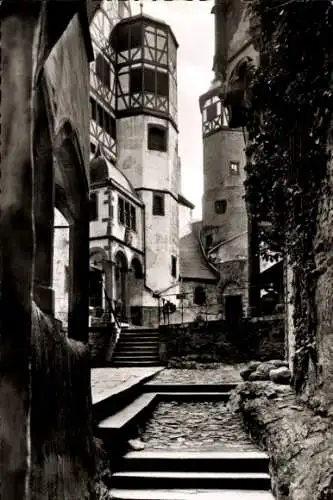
193	26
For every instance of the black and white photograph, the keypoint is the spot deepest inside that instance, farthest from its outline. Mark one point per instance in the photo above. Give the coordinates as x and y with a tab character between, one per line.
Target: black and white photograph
166	249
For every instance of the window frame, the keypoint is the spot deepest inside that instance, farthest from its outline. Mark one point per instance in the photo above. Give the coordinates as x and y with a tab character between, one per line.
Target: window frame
126	213
161	128
174	266
103	70
224	205
231	170
155	209
93	202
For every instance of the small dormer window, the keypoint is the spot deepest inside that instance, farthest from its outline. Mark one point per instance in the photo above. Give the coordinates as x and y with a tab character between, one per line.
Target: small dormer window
157	138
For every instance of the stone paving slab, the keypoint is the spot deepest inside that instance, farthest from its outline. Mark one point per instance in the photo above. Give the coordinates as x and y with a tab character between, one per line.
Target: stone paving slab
221	373
106	382
185	454
190	494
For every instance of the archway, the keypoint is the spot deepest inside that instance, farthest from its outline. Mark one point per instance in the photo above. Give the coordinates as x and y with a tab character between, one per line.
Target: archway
236	96
135	291
121	270
61	275
73	189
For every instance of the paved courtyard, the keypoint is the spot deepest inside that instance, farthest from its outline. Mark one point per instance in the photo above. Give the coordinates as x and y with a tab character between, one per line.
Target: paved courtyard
108	381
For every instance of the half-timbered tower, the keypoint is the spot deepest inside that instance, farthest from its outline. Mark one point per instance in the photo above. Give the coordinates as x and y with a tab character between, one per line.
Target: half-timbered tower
225	222
147	141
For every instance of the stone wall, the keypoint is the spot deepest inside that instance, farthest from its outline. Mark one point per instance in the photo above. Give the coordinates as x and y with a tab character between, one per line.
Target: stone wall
216	341
102	342
298	441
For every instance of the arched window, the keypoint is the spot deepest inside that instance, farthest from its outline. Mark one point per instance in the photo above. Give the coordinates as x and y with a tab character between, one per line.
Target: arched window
137	269
199	296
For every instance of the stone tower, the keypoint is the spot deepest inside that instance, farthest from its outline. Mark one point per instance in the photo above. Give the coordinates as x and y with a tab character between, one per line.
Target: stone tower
146	62
225	224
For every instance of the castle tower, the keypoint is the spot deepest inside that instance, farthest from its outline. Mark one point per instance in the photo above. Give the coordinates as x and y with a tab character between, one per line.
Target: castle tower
146	62
225	222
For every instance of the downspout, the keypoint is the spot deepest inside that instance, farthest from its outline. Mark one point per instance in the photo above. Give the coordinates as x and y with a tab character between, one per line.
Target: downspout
144	251
214	269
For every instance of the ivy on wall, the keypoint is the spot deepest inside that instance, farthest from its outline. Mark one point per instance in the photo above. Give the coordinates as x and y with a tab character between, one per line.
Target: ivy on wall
289	117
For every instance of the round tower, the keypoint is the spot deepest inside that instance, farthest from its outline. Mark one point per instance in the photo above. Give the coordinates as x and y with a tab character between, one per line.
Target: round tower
146	66
224	210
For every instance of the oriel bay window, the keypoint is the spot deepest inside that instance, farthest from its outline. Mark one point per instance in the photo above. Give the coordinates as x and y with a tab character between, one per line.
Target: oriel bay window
126	214
149	80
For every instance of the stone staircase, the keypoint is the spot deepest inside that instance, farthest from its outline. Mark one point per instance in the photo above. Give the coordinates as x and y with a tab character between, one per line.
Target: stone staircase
150	474
229	474
137	347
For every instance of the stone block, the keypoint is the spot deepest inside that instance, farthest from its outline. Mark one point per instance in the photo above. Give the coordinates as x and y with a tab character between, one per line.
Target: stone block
245	374
280	375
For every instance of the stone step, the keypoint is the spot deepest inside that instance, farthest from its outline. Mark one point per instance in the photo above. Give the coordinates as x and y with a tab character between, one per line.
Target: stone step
140	330
138	340
137	347
133	363
187	461
186	494
176	480
139	335
158	387
113	400
126	417
194	396
135	356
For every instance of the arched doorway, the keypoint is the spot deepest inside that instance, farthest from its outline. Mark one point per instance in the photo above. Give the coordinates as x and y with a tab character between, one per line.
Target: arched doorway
61	264
233	302
135	291
121	270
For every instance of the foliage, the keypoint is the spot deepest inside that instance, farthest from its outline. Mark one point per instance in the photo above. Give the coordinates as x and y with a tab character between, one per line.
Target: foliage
289	117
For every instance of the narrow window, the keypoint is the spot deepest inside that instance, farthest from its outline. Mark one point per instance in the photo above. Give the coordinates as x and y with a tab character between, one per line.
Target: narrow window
234	168
113	128
92	108
162	83
121	211
127	214
199	296
209	240
133	218
149	80
211	111
173	266
158	204
107	123
220	206
66	287
100	116
103	70
157	138
135	80
93	206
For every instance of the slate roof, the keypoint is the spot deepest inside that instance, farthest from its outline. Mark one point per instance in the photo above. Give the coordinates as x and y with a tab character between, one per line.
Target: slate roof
192	262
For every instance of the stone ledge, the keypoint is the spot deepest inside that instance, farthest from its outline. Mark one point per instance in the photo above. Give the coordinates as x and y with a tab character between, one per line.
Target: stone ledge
298	442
